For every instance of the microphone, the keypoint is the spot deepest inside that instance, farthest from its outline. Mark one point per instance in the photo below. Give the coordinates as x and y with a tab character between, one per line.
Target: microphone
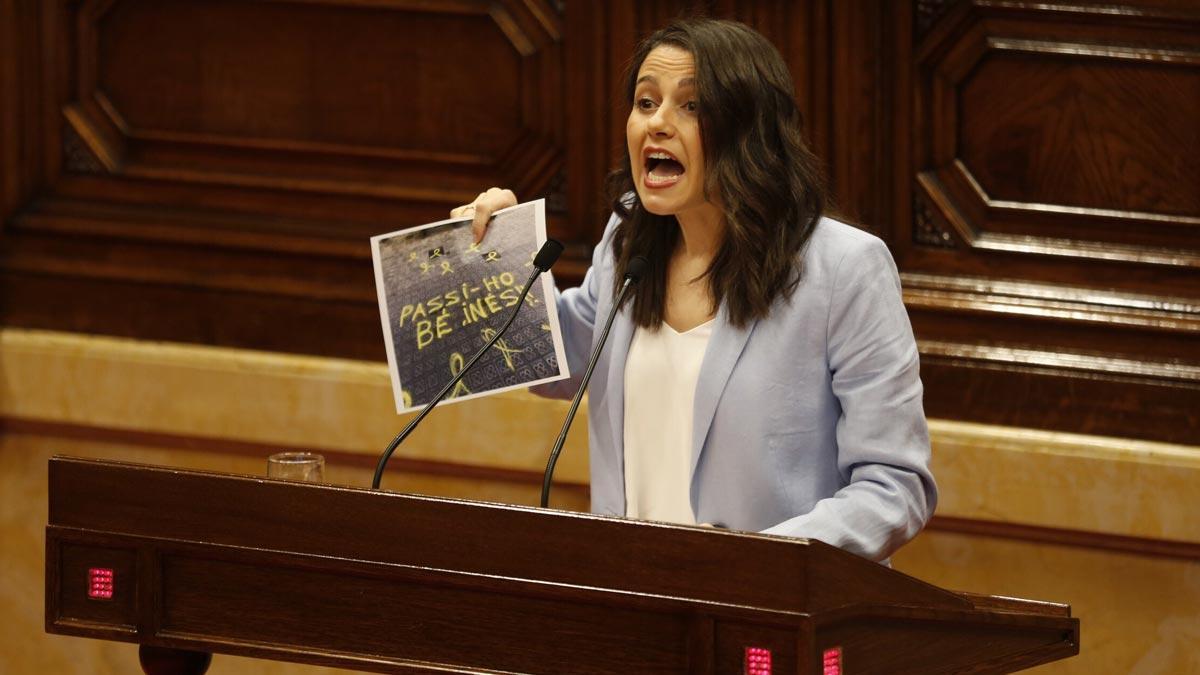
542	262
634	270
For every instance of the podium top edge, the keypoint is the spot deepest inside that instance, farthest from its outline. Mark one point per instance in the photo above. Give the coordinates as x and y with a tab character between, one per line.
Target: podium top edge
69	460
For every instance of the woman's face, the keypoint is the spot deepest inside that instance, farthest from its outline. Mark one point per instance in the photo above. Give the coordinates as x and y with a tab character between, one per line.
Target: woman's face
663	133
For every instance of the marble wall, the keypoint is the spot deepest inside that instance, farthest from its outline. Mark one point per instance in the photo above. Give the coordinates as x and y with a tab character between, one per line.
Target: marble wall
1106	525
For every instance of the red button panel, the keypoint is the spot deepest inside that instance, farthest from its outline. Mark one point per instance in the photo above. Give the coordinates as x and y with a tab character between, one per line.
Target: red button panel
100	583
831	661
758	661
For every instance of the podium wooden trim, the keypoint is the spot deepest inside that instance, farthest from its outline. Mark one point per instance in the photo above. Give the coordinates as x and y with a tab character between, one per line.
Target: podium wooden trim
386	582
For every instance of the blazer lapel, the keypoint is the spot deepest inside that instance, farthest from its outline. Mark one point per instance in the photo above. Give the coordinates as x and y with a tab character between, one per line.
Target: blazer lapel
724	348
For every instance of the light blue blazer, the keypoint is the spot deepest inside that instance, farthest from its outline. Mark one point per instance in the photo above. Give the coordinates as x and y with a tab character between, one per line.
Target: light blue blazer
807	423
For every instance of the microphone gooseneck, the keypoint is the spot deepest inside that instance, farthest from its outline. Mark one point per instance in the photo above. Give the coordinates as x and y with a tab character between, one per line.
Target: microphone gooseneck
634	270
542	262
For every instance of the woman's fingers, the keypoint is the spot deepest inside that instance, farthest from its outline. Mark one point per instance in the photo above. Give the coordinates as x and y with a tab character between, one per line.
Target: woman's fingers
487	204
480	211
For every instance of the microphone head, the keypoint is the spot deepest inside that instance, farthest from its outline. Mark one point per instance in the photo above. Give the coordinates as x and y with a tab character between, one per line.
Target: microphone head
635	268
547	255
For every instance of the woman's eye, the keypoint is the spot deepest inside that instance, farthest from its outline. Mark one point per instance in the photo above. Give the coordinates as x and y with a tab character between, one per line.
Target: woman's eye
691	106
645	103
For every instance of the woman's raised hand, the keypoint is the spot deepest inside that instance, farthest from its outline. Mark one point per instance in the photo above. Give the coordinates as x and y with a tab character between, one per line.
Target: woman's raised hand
483	207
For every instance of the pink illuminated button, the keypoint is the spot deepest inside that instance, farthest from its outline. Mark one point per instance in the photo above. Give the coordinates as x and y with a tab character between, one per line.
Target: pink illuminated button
831	661
758	661
100	583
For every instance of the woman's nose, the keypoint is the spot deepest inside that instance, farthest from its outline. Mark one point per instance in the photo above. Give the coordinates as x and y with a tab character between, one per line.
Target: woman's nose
659	123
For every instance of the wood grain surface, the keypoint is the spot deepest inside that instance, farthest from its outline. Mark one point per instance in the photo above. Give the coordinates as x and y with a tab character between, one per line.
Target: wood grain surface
387	582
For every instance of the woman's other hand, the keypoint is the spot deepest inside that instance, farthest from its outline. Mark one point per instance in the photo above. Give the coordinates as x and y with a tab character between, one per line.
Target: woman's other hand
483	207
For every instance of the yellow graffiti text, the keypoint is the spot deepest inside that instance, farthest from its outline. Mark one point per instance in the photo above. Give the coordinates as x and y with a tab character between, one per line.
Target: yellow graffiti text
428	329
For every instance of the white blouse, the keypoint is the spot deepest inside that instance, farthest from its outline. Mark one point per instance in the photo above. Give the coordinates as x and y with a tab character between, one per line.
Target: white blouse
661	372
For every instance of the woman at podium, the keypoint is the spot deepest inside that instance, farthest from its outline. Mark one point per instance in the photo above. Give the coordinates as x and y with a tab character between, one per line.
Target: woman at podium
763	376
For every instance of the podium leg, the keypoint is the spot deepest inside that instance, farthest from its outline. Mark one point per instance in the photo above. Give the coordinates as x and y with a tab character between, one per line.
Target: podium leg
165	661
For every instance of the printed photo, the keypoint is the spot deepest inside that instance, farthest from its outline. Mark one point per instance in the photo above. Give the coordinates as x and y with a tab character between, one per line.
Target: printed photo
442	297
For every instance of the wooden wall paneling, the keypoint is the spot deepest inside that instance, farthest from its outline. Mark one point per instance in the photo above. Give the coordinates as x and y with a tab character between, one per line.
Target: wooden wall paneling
537	156
624	32
1135	167
1009	101
1053	265
19	123
590	102
246	151
900	23
861	96
211	143
1032	167
10	110
1042	389
326	106
279	322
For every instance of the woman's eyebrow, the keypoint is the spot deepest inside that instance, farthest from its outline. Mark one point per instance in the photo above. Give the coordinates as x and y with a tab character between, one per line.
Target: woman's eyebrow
685	82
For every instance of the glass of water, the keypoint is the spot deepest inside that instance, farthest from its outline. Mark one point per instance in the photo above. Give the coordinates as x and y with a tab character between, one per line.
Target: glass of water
305	466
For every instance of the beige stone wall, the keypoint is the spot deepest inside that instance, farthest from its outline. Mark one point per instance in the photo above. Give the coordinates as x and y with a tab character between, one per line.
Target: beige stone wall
1138	613
1106	525
226	410
1110	526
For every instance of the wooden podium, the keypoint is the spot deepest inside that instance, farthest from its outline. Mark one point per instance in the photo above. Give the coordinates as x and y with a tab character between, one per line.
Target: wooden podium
189	563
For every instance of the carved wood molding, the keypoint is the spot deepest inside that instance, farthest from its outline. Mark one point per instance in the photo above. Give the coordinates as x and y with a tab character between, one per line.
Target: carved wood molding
1050	301
77	156
1006	391
1060	363
927	13
556	194
1120	198
1057	356
1056	330
283	141
927	228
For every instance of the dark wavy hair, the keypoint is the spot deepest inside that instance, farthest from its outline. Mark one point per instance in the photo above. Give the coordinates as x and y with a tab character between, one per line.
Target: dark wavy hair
758	167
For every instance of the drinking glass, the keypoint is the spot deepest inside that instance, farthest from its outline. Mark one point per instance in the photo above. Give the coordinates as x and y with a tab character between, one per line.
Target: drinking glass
305	466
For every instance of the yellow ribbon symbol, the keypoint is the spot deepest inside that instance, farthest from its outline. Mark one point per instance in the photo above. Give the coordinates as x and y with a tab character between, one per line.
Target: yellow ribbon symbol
446	269
491	255
502	347
456	366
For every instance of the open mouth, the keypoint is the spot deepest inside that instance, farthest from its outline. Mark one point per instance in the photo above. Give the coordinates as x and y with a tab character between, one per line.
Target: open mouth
662	169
